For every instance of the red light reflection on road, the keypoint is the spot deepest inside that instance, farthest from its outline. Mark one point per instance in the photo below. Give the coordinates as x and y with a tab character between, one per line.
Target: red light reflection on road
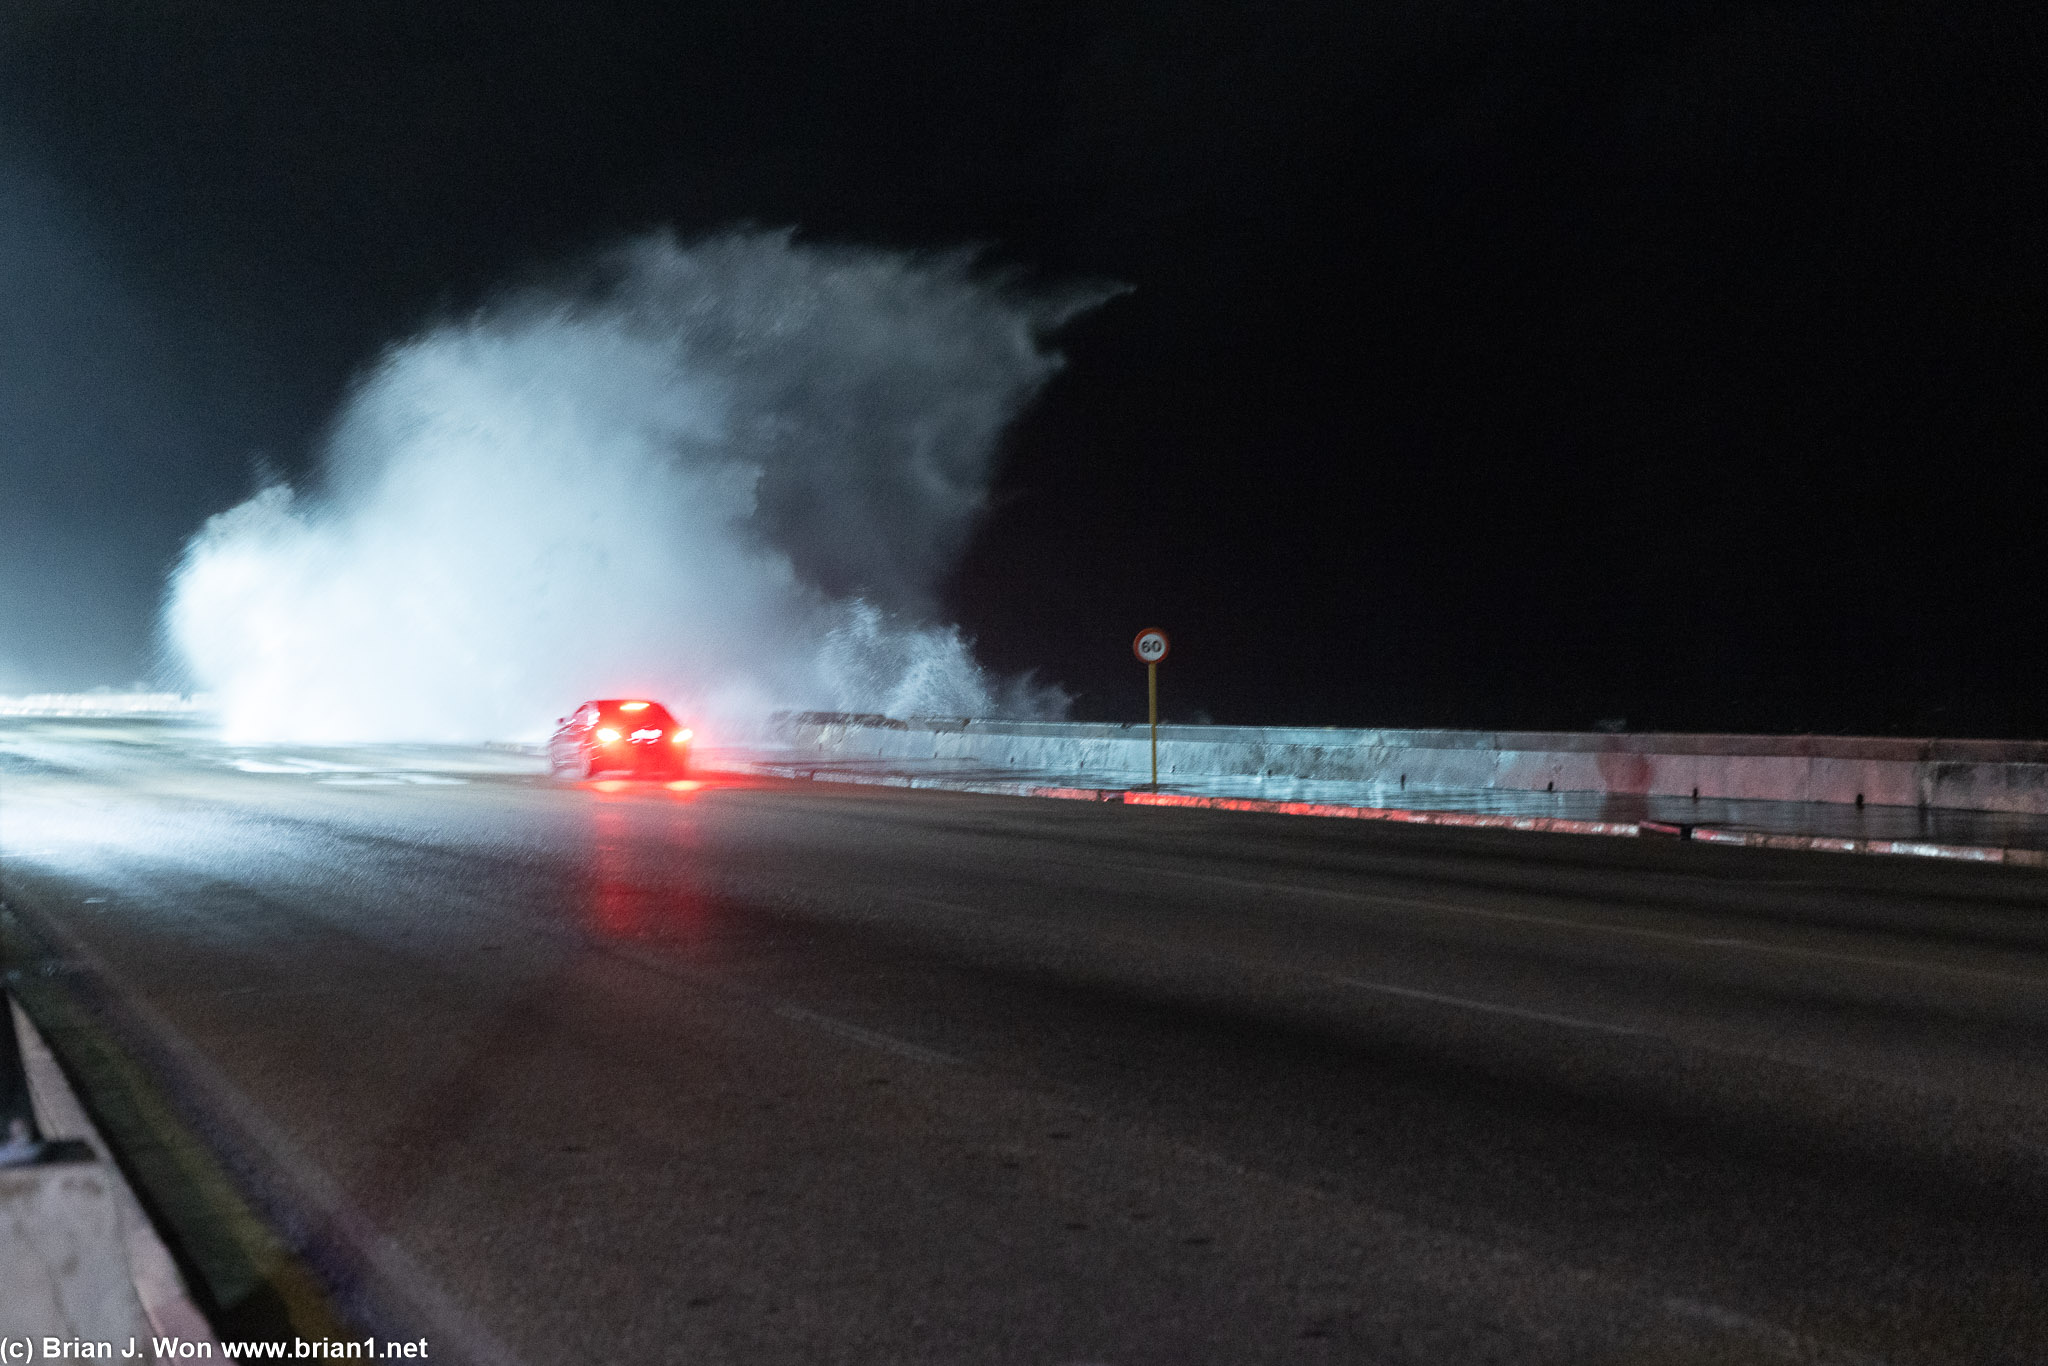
635	838
685	787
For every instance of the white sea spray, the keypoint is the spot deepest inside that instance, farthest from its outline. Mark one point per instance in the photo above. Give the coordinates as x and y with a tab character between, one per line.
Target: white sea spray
731	474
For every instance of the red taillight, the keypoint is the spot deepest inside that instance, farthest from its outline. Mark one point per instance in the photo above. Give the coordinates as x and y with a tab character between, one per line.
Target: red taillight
682	737
607	736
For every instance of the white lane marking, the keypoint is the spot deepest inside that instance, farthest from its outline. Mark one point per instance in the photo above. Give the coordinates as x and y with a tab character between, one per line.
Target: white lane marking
391	780
1488	1007
1795	1345
855	1034
951	907
1393	902
1358	983
300	766
1467	1003
788	1010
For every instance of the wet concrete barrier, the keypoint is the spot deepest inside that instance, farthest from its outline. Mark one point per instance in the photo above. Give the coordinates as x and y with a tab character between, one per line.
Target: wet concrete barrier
63	1269
1963	775
80	1262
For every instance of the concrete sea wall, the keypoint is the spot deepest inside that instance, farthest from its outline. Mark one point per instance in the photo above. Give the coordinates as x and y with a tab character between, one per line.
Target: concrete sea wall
1969	775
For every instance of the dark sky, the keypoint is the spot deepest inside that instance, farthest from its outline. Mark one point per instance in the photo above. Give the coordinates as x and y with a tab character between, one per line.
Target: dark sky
1489	364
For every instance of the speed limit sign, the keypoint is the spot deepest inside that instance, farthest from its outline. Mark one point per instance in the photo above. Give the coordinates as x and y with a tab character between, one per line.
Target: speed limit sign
1150	646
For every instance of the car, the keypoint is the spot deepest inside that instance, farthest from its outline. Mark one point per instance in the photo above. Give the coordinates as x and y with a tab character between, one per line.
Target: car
622	735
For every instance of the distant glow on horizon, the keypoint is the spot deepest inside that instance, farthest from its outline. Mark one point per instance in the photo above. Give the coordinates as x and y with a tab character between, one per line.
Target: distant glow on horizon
730	475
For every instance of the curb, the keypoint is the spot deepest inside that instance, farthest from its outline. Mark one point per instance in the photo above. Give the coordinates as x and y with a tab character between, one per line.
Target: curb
1552	825
1969	853
159	1288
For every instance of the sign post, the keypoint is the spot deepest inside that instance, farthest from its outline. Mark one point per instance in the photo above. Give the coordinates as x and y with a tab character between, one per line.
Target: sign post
1150	646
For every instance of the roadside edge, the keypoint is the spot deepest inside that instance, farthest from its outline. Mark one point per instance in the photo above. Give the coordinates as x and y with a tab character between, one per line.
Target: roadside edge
1553	825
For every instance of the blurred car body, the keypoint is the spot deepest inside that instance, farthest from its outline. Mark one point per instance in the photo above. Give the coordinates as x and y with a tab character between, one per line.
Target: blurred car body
627	736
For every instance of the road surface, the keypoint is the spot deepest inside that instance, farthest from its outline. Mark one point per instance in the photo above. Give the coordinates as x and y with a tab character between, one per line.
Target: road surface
765	1072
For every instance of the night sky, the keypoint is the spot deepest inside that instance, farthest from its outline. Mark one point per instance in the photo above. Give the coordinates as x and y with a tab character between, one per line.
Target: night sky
1485	364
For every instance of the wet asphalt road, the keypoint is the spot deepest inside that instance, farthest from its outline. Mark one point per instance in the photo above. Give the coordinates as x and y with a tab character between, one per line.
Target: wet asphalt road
763	1072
